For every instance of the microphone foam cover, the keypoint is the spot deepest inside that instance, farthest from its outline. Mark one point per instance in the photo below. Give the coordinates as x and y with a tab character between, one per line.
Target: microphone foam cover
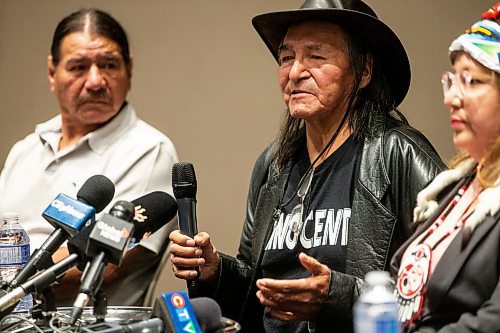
153	211
124	210
184	180
97	191
208	313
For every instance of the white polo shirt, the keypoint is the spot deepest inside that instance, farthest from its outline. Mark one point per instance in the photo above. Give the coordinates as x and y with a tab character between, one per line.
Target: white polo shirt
136	157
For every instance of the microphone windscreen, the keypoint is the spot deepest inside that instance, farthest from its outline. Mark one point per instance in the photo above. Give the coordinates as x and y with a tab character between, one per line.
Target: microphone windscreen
152	211
124	210
208	313
97	191
184	180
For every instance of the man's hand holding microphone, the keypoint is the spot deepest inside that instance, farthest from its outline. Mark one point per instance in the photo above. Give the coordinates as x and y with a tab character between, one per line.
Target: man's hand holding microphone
195	259
193	256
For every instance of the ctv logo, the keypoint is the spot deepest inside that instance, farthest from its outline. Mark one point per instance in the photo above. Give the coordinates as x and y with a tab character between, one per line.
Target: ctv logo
184	316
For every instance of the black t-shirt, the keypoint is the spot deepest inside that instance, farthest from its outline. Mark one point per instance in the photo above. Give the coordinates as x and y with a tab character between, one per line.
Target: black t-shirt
324	234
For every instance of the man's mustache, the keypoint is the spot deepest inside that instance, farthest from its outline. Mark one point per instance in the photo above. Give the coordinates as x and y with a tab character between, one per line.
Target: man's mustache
97	97
300	88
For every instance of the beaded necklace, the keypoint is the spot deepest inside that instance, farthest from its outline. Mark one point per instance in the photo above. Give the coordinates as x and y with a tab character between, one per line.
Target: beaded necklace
415	268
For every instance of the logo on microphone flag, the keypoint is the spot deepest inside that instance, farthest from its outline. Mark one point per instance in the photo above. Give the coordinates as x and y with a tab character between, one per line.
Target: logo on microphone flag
181	312
68	213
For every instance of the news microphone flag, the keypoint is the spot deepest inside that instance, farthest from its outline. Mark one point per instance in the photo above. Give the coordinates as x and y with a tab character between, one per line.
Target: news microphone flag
181	314
107	243
206	311
93	196
73	212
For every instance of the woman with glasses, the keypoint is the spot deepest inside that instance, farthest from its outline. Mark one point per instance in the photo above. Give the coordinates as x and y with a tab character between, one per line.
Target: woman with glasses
448	271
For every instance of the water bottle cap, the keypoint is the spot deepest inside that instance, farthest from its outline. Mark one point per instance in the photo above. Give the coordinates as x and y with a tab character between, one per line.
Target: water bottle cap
10	216
375	278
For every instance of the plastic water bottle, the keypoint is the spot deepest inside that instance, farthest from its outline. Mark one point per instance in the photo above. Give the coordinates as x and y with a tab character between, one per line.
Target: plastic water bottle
376	310
14	253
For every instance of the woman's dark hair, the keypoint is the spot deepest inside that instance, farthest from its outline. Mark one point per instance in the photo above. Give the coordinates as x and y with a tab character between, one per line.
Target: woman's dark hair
362	104
98	22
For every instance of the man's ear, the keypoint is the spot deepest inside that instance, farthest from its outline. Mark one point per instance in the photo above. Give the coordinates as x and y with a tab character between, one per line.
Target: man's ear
129	67
51	70
129	71
367	72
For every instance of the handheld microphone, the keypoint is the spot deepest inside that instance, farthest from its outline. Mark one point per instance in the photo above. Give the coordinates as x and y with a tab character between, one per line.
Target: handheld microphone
185	187
68	216
151	212
107	243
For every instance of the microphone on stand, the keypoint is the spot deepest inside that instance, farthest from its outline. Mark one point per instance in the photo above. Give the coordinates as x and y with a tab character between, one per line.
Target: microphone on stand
144	215
107	243
151	212
37	284
68	216
185	187
174	312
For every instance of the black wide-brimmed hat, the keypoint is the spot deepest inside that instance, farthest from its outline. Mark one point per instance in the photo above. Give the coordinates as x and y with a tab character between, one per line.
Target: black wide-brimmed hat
357	19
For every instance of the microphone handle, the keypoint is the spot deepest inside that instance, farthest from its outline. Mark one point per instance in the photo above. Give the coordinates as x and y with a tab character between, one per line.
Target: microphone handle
92	277
38	283
187	216
40	259
152	325
188	225
91	282
50	275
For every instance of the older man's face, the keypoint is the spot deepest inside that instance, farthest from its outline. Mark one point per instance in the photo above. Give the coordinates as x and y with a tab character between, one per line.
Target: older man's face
91	81
314	72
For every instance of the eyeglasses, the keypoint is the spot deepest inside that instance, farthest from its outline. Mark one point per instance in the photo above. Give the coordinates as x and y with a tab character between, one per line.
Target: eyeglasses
304	186
461	81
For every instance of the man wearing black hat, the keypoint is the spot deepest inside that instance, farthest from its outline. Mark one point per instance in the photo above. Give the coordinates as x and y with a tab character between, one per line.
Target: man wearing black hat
333	197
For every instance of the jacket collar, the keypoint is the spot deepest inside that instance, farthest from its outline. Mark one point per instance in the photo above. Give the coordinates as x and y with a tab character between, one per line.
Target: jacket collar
454	259
372	170
269	210
367	253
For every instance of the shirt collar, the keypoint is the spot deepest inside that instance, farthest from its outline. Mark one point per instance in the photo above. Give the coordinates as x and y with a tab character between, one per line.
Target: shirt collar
98	140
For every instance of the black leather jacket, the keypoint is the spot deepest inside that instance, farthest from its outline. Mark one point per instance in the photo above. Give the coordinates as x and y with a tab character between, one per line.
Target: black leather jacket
395	164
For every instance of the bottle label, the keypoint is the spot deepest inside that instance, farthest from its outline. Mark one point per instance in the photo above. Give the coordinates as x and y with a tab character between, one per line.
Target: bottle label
14	254
389	325
368	324
25	304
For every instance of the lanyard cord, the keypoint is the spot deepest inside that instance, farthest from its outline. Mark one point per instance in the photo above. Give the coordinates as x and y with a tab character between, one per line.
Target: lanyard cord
309	172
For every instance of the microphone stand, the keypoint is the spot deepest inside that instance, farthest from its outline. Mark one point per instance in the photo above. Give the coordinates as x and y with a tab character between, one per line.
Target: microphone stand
37	284
44	304
100	305
90	285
